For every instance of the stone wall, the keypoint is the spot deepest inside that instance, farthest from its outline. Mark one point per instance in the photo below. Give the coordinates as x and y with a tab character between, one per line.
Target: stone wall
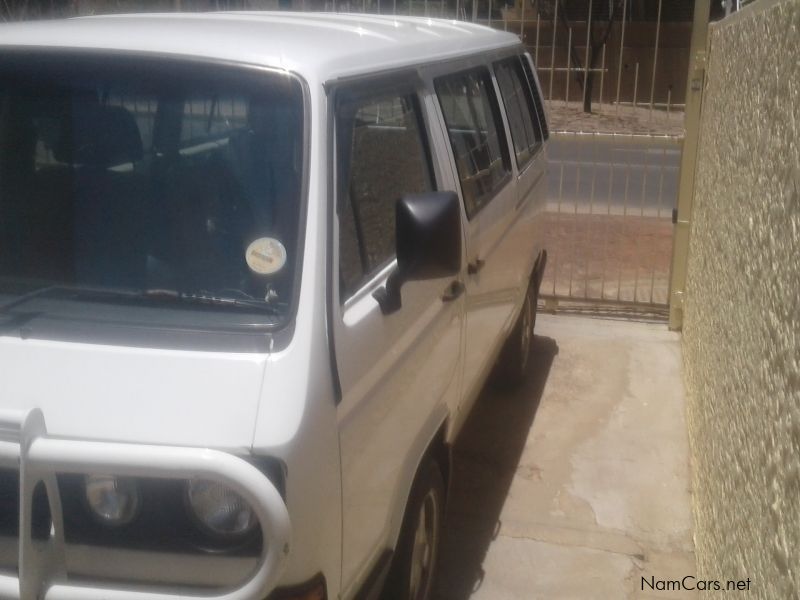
742	314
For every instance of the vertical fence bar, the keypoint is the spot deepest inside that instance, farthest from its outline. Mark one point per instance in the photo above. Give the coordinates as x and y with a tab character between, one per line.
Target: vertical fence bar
608	221
621	49
569	66
669	101
588	44
602	75
553	55
635	86
655	59
575	218
638	253
658	216
538	20
587	253
624	214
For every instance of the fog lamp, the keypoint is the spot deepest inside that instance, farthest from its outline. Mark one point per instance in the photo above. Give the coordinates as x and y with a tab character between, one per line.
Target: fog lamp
113	500
218	509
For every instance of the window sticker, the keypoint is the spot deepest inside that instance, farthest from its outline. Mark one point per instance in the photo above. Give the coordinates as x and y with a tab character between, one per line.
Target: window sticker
265	256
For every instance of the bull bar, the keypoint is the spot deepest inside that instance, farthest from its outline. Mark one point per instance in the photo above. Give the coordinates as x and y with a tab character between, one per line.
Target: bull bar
41	574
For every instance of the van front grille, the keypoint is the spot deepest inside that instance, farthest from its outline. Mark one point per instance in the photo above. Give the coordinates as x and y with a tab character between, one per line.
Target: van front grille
9	503
9	507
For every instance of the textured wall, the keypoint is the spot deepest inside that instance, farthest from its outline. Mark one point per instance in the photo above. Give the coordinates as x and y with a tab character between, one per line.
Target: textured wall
742	317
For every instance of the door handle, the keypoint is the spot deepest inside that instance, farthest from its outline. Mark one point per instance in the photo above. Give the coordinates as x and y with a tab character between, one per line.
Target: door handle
475	266
453	291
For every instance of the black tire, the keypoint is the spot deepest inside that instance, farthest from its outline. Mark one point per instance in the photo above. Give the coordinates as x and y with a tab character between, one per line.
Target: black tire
512	364
413	570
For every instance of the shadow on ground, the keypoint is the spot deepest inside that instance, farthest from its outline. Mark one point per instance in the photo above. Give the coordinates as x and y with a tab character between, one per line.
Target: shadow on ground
486	457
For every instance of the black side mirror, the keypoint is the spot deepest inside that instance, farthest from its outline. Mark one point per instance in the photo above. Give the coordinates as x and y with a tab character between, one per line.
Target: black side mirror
428	236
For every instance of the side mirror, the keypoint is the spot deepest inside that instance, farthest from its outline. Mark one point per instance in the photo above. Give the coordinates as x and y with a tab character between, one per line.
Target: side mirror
428	236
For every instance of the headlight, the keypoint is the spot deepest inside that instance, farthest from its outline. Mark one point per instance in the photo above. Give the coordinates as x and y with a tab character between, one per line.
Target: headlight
113	500
219	509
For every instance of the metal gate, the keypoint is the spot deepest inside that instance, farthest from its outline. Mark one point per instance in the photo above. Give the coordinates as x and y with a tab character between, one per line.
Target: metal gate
608	224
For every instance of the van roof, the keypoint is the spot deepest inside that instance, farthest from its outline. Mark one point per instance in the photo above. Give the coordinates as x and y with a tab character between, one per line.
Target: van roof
318	46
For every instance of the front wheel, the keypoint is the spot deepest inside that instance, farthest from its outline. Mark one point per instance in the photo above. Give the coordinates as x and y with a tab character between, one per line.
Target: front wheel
414	566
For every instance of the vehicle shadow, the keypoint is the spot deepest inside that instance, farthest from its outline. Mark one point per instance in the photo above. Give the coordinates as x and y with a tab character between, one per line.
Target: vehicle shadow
486	456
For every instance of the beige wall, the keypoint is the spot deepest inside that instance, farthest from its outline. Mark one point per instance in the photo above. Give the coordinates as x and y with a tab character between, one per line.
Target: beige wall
742	319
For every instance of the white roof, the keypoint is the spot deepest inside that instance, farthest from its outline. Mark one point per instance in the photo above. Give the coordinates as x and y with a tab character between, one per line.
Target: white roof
319	46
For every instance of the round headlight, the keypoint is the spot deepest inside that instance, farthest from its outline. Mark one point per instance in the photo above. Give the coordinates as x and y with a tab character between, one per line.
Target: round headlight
113	500
219	509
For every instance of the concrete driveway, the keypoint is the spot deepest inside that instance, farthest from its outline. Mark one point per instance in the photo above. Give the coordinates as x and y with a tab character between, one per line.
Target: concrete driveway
577	485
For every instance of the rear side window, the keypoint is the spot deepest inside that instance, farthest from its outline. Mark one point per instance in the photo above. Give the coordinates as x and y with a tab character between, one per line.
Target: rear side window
520	108
537	99
382	156
475	129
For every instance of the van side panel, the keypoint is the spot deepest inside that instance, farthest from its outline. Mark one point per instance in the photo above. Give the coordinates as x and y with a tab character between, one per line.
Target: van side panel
397	371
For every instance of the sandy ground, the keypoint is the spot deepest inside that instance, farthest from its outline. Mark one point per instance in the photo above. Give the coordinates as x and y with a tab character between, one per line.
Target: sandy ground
608	257
607	118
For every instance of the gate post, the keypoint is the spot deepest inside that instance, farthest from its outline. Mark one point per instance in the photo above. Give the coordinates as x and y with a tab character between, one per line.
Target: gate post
682	218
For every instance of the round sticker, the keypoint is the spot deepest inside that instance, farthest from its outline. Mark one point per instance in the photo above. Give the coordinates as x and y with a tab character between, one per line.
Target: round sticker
265	256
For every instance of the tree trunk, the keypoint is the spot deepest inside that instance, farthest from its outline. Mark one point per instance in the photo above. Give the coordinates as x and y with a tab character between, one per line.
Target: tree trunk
595	49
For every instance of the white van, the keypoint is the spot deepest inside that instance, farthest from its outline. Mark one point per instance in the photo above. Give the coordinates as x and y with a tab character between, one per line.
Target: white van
254	271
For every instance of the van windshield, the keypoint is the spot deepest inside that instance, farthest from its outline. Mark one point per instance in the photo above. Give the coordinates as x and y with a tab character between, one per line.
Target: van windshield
165	182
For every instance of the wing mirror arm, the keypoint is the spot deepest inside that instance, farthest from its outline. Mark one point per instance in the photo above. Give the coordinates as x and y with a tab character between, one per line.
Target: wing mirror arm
389	298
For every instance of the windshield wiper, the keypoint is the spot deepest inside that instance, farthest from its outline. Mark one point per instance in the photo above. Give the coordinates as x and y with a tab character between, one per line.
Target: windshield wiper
156	294
44	291
208	298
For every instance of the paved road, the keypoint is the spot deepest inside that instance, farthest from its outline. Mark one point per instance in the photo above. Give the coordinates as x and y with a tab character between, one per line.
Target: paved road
627	177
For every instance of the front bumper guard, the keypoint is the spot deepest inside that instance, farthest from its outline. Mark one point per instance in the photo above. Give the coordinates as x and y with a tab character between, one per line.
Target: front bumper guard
41	573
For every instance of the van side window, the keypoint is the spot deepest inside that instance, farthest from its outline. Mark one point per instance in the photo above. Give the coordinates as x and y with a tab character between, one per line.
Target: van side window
537	99
475	128
382	156
520	108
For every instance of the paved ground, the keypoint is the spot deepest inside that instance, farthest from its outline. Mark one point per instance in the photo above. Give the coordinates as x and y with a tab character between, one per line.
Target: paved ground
631	176
575	486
